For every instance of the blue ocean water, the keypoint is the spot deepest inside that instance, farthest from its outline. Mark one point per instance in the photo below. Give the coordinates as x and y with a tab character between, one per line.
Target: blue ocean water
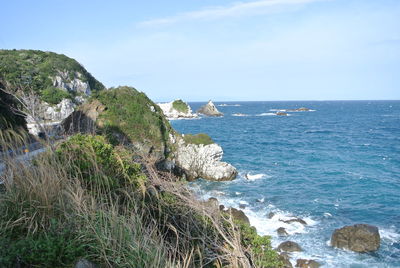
335	166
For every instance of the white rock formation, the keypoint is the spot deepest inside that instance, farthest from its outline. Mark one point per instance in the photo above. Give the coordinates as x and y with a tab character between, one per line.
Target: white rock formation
59	111
204	161
172	113
76	85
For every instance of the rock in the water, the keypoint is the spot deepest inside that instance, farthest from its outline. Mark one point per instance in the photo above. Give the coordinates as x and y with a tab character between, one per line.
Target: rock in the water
204	161
281	113
307	263
271	215
284	257
83	263
177	109
209	109
359	238
282	231
289	246
212	203
239	215
295	220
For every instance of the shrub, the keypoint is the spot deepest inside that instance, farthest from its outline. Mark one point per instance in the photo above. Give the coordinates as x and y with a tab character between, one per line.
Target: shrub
99	164
201	138
54	95
180	106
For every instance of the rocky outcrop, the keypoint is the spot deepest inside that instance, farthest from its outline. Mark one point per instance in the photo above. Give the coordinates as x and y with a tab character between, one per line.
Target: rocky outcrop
209	109
238	215
289	246
203	161
282	231
285	259
64	82
84	119
59	111
307	263
359	238
294	220
177	109
281	114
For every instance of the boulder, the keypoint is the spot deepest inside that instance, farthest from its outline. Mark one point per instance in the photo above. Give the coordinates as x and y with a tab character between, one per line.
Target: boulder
271	215
212	203
204	161
239	215
282	231
289	246
209	109
307	263
359	238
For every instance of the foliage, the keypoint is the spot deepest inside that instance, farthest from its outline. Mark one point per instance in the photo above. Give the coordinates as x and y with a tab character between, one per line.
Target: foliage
8	119
180	106
133	115
34	69
54	95
99	164
200	138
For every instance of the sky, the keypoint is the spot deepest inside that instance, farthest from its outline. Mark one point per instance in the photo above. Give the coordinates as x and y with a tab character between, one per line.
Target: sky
224	50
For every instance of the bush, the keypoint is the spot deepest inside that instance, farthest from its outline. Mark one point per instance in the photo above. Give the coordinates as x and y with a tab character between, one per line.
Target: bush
180	106
54	95
99	164
197	139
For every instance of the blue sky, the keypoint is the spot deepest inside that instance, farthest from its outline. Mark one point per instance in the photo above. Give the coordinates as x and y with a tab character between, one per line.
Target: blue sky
221	50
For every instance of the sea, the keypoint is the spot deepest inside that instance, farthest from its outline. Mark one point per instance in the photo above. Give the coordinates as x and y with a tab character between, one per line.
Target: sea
337	164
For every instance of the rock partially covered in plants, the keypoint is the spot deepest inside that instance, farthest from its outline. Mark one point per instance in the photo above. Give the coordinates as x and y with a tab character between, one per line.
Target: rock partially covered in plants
239	215
209	109
359	238
177	109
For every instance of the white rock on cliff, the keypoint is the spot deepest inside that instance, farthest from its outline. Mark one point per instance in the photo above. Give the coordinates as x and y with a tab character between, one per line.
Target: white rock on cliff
204	161
59	111
76	85
172	113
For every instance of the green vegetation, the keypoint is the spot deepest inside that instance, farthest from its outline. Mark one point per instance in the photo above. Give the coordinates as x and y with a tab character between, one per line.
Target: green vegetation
197	139
8	118
54	95
129	116
180	106
55	213
34	70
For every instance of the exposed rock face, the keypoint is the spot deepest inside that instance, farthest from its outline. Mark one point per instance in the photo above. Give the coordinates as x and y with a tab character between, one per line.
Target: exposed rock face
289	246
75	85
84	119
204	161
60	111
307	263
171	113
295	220
359	238
209	109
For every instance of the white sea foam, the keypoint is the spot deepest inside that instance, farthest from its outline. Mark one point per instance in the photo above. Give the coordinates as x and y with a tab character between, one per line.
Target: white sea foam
239	114
255	176
390	235
266	114
227	105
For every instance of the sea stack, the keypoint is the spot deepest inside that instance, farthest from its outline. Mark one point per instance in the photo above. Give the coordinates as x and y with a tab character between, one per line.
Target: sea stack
209	109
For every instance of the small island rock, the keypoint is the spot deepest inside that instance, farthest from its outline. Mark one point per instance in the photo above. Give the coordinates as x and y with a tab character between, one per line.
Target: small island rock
307	263
282	231
209	109
359	238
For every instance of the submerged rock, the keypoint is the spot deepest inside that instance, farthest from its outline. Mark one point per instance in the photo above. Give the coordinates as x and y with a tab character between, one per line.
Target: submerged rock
282	114
271	215
209	109
307	263
204	161
282	231
295	220
359	238
289	246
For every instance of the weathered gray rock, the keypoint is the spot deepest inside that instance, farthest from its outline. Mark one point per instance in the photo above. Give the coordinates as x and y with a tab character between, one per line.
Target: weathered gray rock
64	82
209	109
359	238
307	263
271	215
282	231
212	203
60	111
289	246
204	161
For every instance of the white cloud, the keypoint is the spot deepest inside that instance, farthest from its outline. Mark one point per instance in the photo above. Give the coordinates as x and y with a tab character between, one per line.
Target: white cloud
234	10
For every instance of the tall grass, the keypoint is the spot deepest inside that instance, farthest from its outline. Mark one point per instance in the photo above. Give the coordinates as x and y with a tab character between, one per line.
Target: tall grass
57	209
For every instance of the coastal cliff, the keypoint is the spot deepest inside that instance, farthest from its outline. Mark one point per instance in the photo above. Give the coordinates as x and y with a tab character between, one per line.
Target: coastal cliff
177	109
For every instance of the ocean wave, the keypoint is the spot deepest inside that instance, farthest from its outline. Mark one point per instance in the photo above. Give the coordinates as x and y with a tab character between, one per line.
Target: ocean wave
239	114
266	114
229	105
